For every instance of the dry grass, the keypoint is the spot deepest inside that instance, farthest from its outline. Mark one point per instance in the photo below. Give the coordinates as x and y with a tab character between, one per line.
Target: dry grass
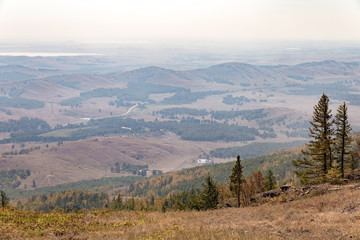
335	215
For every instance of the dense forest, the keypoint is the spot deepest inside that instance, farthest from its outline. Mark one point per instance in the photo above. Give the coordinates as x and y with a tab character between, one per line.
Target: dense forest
18	102
11	178
230	100
187	97
68	201
172	112
249	115
253	149
24	124
188	129
135	91
188	123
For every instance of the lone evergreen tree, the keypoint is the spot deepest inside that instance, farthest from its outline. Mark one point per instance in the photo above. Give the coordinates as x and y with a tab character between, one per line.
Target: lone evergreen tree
343	138
270	180
4	199
209	194
237	180
318	156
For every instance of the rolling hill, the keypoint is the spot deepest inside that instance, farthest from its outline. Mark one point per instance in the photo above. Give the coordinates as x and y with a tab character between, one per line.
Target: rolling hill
74	162
238	74
62	162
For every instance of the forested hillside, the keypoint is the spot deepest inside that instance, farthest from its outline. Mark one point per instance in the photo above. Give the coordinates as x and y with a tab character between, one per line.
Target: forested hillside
188	129
192	178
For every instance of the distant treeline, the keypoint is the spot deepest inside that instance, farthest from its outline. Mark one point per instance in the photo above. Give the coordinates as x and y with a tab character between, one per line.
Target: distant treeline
332	90
230	100
245	114
6	111
93	185
169	112
135	91
11	178
140	92
188	97
298	128
77	201
24	124
21	151
68	201
129	168
218	115
197	130
253	149
188	129
18	102
70	84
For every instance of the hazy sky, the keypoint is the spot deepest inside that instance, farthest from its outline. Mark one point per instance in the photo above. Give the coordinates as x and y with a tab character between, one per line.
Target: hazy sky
178	20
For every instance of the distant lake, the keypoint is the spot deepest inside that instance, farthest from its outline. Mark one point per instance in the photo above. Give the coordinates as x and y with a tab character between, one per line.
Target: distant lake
46	54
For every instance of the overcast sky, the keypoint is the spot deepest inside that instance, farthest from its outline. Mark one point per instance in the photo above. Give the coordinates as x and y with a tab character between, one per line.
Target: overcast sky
178	20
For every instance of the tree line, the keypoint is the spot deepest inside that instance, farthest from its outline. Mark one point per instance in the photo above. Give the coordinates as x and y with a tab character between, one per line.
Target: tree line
217	115
188	129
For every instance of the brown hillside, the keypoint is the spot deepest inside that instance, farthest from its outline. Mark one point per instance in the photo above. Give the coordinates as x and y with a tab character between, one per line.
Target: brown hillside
93	158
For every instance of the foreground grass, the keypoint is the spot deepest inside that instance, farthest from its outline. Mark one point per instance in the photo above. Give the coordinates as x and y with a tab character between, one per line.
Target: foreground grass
335	215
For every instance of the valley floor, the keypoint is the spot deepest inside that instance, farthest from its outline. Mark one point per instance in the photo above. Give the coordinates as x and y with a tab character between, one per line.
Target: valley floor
334	215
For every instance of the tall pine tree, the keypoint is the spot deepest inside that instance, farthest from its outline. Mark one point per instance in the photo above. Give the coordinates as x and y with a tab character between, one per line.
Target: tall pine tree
343	139
318	155
237	180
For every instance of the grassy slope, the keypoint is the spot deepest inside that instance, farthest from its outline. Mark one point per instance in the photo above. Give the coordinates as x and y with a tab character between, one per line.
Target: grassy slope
334	215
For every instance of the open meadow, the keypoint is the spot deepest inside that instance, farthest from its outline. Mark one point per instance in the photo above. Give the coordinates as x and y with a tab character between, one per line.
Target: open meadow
333	215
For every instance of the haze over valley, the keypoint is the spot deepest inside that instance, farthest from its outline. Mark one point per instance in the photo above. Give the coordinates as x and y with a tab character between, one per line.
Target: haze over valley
163	117
179	119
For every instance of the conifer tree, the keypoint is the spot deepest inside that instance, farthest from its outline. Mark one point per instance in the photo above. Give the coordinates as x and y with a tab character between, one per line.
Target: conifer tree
318	156
343	139
209	194
4	199
270	180
237	180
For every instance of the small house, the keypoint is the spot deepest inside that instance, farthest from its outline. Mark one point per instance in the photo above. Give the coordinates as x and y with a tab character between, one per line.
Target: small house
204	161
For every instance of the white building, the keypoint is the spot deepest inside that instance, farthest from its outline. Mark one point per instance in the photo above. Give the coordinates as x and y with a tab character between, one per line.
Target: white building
204	161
